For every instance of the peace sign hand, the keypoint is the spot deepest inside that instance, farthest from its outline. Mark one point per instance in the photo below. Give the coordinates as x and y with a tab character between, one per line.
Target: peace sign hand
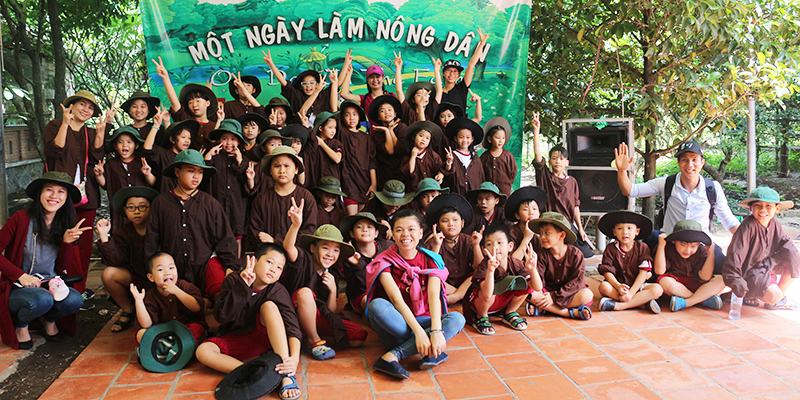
67	116
296	213
268	58
73	234
535	122
99	169
273	116
531	258
484	36
251	171
304	120
437	236
398	60
160	69
492	262
248	276
147	170
449	157
214	151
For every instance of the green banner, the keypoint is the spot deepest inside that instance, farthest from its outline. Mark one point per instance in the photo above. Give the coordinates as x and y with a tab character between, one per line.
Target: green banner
202	40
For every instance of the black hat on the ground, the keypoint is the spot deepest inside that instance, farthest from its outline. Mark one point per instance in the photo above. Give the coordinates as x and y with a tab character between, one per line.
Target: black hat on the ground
251	380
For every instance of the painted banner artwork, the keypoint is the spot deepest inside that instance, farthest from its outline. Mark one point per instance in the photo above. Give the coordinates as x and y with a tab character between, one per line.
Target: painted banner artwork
207	40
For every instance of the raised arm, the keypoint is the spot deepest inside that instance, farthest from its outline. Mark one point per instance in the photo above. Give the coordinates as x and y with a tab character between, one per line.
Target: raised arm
537	137
175	104
623	161
398	76
473	61
346	76
437	79
275	71
296	215
334	77
243	92
313	97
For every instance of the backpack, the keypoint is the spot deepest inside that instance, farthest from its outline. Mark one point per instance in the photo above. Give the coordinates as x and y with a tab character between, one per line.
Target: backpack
711	193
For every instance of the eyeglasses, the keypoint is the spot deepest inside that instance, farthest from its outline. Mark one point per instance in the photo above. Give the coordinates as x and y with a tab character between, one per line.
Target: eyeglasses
134	208
308	83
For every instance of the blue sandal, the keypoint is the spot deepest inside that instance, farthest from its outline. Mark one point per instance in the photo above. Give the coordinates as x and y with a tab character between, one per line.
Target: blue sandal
578	313
289	387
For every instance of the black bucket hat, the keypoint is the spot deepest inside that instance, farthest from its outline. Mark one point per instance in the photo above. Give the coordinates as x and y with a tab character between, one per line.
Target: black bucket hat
191	157
151	101
302	75
456	109
251	380
443	201
295	131
362	116
246	79
350	221
189	124
552	217
496	121
227	126
190	88
381	100
608	221
330	233
59	178
689	231
413	129
472	195
122	196
458	124
417	86
262	122
525	193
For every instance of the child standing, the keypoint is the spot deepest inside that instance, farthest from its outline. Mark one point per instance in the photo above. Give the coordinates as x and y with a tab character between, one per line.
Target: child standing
464	167
359	176
499	165
278	112
329	208
375	79
416	101
330	153
423	162
245	91
252	126
627	264
302	88
561	269
388	133
170	299
488	203
685	262
141	107
523	206
179	137
456	91
759	251
366	235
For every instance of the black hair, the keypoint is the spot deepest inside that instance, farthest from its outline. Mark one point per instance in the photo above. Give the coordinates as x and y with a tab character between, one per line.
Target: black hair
152	259
555	226
64	219
406	213
495	129
560	149
494	228
265	248
448	209
198	95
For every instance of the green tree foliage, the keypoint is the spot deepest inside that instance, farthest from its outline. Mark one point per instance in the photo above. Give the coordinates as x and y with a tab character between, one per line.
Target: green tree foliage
678	68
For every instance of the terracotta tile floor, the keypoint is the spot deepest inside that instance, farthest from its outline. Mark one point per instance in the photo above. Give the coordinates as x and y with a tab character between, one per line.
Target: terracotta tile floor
692	354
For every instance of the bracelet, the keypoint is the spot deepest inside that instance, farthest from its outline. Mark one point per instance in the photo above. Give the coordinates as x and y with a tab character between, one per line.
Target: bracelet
435	331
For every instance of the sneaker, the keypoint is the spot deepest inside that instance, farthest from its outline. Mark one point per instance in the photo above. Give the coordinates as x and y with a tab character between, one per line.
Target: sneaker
321	351
606	304
677	303
784	304
88	294
714	302
87	303
391	368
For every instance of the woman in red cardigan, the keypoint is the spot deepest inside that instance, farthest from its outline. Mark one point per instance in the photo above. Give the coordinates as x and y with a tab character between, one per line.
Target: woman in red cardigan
38	245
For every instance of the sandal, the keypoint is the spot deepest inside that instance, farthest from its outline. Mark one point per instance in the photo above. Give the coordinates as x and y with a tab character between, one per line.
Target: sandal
751	302
483	326
580	313
289	387
513	320
606	304
321	351
533	311
784	304
123	325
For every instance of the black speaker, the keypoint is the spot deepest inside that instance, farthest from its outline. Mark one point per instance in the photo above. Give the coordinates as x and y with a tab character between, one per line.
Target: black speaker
589	146
599	190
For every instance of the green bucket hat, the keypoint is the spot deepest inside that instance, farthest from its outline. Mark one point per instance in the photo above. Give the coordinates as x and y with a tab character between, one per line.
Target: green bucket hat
330	185
265	136
350	221
322	118
266	161
85	95
557	219
610	220
228	126
394	194
330	233
190	88
166	347
510	282
767	195
279	102
417	86
59	178
492	123
189	124
429	184
127	129
152	103
192	157
472	195
689	231
122	196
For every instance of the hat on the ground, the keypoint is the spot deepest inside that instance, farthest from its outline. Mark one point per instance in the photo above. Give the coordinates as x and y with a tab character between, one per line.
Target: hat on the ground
151	101
122	196
295	131
262	122
251	380
59	178
166	347
472	195
265	136
127	129
330	233
330	185
525	193
189	124
190	88
443	201
381	100
689	146
278	102
494	122
246	79
610	220
322	118
557	219
456	109
689	231
266	161
362	116
394	194
350	221
767	195
413	129
85	95
429	184
417	86
191	157
452	64
227	126
460	123
311	72
510	282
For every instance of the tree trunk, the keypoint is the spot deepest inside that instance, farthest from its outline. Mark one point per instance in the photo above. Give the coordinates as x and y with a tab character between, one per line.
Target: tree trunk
649	203
59	56
783	160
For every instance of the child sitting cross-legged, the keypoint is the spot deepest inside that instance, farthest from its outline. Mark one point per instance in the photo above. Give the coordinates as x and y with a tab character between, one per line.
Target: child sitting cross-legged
627	263
503	282
685	262
561	268
255	313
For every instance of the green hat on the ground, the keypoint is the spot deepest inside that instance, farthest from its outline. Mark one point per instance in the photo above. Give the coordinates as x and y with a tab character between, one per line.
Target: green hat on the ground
151	101
510	282
330	233
394	194
557	219
278	102
350	221
266	161
492	123
523	194
127	129
59	178
428	184
610	220
689	231
85	95
417	86
472	195
767	195
321	119
228	126
330	185
190	88
189	124
122	196
191	157
451	200
264	137
166	347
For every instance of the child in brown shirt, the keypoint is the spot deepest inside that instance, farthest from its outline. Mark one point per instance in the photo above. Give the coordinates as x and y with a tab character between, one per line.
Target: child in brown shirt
422	161
499	165
328	193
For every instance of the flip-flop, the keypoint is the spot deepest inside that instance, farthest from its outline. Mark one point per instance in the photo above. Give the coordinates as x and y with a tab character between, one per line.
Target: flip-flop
784	304
288	387
577	313
653	306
